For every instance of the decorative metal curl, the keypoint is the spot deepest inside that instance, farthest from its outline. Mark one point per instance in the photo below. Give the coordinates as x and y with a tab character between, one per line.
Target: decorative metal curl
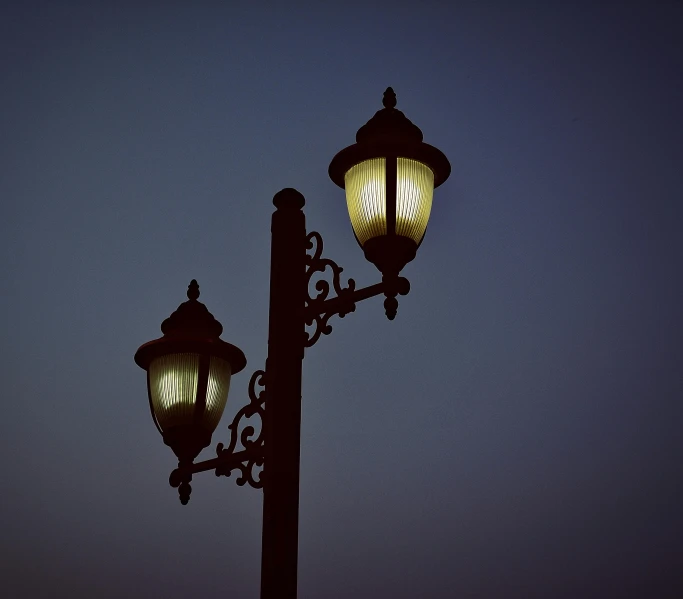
246	459
255	406
248	474
315	263
246	437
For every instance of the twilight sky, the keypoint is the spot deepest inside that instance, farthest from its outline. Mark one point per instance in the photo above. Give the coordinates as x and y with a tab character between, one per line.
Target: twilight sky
514	433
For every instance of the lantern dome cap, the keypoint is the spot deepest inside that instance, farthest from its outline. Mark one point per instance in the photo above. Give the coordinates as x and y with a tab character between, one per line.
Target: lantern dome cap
389	123
192	316
191	329
389	133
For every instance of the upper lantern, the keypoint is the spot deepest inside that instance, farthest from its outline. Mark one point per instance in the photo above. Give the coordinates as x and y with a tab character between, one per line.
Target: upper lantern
389	175
188	376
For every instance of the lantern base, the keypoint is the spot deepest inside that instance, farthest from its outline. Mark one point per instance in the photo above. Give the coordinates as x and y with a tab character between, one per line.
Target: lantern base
187	441
390	253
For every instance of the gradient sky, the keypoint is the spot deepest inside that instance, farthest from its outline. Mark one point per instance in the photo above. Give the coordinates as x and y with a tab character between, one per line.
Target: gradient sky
514	433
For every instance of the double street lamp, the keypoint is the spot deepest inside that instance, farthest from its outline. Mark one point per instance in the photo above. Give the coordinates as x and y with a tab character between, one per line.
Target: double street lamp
389	175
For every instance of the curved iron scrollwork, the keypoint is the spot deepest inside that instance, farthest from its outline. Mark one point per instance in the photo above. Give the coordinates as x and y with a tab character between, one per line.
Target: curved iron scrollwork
248	458
255	406
251	471
252	454
316	314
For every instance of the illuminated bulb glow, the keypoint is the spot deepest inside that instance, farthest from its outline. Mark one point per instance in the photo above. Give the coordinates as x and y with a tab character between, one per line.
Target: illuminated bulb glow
365	186
414	192
173	385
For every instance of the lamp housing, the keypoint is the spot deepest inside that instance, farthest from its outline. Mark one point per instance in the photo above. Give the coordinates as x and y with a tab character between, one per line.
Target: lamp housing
389	175
188	376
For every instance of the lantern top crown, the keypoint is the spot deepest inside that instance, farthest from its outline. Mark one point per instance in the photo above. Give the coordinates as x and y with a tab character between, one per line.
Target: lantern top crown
389	133
193	290
191	329
389	123
389	98
192	317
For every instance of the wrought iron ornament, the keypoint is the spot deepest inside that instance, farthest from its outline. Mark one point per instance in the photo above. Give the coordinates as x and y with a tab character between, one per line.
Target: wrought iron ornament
317	310
248	457
320	308
252	446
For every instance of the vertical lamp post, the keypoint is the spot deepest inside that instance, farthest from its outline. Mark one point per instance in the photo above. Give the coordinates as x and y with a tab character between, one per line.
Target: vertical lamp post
389	175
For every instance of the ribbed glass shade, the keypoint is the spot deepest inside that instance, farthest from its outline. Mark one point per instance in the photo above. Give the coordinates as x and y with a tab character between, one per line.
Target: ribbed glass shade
173	386
414	192
365	186
366	190
216	392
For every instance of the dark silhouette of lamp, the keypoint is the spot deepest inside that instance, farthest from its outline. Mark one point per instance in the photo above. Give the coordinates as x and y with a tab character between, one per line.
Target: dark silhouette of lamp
188	376
389	175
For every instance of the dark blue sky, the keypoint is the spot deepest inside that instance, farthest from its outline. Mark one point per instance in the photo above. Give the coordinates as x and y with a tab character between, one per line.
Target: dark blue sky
514	433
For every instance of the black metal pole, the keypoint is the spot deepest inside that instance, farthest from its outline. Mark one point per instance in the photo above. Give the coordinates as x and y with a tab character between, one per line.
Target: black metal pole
280	540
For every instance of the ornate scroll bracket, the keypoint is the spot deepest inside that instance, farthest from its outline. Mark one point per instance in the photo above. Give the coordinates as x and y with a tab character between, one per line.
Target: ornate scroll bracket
253	446
248	459
321	308
318	311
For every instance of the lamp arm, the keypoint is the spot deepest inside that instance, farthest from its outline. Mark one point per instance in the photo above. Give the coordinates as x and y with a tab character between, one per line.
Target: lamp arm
246	461
319	312
319	309
223	464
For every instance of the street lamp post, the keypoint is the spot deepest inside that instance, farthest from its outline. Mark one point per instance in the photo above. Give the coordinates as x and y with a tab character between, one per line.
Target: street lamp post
389	175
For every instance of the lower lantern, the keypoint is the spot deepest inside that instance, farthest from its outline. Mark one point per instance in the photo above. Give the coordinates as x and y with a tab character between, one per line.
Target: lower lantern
188	376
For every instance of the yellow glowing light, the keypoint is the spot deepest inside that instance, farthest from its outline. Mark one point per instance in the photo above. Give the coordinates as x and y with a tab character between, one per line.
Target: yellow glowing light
365	186
366	198
173	383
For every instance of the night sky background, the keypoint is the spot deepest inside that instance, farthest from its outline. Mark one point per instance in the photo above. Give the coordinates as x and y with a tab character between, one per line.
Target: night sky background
514	433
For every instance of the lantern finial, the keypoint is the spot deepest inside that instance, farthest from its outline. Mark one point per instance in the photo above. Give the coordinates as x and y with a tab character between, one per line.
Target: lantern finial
193	290
389	99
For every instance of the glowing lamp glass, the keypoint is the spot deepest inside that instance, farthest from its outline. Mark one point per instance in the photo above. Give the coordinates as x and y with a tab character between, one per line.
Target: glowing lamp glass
365	185
173	381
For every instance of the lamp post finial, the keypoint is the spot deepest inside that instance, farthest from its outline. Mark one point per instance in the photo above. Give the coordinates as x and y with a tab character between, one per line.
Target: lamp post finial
193	290
389	99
